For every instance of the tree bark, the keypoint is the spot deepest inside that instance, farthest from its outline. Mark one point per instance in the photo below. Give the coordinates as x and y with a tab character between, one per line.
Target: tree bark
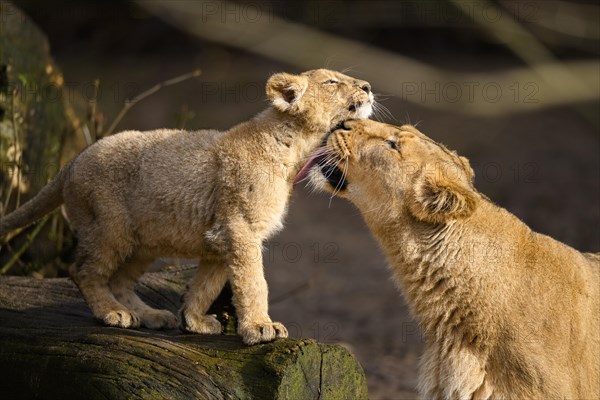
51	348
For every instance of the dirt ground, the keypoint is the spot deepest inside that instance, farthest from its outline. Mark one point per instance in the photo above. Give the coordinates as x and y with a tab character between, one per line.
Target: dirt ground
328	279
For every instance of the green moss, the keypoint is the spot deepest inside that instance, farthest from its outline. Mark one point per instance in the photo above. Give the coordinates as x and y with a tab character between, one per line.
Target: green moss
351	384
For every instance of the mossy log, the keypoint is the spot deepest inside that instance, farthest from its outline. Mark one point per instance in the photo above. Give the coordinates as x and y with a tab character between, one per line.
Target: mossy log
51	348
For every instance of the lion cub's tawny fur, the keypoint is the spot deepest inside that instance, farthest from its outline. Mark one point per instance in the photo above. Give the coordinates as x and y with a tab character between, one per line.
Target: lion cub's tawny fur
506	313
213	195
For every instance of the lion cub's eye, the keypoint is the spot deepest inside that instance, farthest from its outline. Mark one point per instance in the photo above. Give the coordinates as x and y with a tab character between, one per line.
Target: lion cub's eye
393	145
330	81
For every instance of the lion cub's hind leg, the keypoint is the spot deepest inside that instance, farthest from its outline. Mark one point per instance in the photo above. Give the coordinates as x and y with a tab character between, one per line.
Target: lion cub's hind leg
122	285
103	242
203	289
92	279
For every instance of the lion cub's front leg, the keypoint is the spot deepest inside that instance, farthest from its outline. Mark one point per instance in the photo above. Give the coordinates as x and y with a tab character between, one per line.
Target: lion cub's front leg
202	291
250	294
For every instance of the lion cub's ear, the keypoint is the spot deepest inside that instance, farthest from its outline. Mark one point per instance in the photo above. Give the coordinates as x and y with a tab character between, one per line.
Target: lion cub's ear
284	90
437	199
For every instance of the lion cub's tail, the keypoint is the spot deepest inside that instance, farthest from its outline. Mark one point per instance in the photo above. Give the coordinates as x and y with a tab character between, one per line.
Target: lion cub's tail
45	201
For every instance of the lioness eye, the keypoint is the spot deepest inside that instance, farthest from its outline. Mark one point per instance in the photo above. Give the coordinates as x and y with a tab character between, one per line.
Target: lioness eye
393	145
329	81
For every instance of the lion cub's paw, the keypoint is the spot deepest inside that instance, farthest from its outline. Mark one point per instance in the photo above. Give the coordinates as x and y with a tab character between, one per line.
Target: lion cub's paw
121	319
203	324
262	332
159	319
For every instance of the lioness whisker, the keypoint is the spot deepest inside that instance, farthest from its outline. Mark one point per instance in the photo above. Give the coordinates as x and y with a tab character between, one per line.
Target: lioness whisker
332	160
340	183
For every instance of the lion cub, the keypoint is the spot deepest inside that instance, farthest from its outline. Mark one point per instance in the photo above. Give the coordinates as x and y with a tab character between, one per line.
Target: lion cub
211	195
506	313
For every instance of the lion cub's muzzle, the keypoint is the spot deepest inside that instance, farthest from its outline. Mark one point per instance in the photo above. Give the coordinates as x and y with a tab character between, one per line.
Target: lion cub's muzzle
361	102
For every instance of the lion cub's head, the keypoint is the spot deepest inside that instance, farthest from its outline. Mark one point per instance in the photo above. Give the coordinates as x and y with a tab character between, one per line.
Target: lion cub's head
321	98
398	169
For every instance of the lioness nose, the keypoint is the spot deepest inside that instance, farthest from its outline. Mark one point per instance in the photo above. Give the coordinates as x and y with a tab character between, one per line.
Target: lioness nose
347	125
366	87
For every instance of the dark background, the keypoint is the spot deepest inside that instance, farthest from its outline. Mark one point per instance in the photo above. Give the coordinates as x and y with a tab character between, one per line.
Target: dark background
536	157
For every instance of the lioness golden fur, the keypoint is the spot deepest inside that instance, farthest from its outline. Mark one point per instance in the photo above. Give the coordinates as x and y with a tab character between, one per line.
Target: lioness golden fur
211	195
506	313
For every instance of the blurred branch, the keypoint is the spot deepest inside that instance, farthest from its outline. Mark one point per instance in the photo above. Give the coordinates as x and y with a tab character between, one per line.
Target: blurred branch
92	115
308	48
527	47
17	158
559	23
130	103
17	255
291	293
575	20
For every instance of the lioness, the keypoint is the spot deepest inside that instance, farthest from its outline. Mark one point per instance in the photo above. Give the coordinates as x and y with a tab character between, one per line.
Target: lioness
211	195
506	313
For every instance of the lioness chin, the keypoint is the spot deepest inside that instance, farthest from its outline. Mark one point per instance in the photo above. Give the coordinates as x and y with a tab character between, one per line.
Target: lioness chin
506	313
211	195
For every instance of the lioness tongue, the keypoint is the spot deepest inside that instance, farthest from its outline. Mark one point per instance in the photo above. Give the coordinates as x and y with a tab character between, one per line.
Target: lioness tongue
312	160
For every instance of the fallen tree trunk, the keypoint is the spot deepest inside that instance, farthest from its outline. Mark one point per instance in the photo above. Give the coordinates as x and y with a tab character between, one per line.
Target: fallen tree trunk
51	348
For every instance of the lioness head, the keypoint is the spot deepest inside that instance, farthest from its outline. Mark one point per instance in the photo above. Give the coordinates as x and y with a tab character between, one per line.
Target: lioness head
321	98
397	169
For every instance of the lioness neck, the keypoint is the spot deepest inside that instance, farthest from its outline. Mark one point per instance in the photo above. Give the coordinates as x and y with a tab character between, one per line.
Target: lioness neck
446	271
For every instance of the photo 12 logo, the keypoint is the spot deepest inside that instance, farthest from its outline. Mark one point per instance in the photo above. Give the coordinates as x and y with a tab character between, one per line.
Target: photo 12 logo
440	13
233	12
468	92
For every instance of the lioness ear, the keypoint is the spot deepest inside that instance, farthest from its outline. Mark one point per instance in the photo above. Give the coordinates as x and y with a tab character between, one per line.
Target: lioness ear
284	90
437	200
